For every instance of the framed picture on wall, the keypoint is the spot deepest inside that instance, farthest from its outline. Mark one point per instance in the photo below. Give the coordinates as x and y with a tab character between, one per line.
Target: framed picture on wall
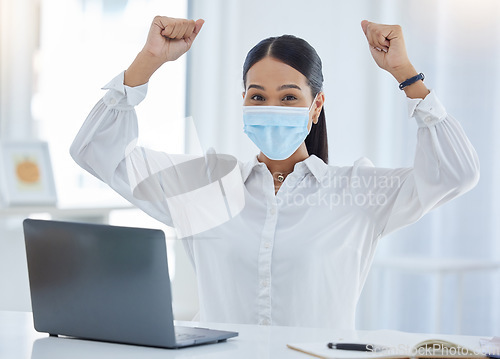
26	176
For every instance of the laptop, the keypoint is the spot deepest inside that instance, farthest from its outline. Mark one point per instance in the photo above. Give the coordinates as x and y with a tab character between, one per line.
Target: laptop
105	283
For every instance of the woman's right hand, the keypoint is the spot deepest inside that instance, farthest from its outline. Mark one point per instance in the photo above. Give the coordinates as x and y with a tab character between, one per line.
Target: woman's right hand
168	39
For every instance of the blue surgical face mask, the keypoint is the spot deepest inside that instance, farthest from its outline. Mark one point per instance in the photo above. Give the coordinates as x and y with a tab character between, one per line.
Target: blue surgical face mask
276	130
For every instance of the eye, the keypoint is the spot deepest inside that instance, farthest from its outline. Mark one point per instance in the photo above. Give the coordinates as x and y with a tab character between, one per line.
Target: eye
289	98
257	98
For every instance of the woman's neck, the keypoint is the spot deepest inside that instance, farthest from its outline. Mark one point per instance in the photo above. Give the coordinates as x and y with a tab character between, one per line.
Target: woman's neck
284	167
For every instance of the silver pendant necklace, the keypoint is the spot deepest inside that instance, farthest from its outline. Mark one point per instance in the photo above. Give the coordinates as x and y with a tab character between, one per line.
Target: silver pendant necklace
280	176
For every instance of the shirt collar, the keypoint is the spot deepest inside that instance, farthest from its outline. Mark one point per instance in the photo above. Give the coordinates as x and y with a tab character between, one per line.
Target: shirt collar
249	166
315	165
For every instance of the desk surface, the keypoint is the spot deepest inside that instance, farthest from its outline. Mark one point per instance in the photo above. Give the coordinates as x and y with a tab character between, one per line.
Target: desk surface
81	211
19	340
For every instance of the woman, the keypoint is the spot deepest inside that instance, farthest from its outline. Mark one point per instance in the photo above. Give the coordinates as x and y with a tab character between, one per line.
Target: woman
300	250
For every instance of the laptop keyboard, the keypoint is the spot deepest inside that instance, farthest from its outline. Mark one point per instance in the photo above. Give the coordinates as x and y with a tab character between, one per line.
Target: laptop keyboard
182	333
187	336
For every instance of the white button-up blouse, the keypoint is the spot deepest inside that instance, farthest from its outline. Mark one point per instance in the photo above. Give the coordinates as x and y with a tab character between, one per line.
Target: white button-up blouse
299	257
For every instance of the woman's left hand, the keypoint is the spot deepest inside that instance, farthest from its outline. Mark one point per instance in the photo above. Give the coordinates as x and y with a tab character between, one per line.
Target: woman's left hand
388	49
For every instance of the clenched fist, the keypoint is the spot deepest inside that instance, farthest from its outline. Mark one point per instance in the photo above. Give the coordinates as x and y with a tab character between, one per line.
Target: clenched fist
169	38
387	47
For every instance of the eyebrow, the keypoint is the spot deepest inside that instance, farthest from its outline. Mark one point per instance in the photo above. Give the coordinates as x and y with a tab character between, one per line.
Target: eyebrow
282	87
289	86
258	87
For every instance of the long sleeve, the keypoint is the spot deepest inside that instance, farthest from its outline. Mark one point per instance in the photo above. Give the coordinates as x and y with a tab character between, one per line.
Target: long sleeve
191	193
445	166
106	143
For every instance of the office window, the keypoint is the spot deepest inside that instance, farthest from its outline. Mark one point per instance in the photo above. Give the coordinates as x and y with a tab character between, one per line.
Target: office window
83	44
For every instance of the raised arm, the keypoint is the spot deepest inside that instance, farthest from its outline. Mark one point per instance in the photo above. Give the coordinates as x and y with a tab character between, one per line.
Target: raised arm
446	164
106	147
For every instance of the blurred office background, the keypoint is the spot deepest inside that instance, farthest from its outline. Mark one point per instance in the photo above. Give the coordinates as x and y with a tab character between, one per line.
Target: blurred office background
441	274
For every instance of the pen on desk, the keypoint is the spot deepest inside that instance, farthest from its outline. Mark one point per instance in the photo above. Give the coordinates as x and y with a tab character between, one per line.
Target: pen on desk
352	346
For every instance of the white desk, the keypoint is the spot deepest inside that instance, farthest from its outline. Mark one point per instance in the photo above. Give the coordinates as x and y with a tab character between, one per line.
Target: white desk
18	340
88	213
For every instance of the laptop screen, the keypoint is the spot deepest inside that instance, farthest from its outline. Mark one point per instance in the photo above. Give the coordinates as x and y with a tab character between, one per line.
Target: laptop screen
99	282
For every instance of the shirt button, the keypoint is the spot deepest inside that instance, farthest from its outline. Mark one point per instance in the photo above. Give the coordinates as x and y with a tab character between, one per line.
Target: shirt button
272	211
264	322
264	283
267	245
427	120
112	101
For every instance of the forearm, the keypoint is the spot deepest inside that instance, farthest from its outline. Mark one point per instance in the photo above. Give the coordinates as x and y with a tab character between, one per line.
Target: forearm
446	166
141	69
111	125
104	148
104	139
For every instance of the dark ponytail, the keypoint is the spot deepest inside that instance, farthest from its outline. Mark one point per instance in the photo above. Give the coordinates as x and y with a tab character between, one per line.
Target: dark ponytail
317	139
298	54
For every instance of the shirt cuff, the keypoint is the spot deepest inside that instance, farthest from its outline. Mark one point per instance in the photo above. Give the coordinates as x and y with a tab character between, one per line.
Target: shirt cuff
428	111
123	96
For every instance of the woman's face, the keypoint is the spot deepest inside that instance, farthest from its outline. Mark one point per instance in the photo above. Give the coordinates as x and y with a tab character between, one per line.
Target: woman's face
270	82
